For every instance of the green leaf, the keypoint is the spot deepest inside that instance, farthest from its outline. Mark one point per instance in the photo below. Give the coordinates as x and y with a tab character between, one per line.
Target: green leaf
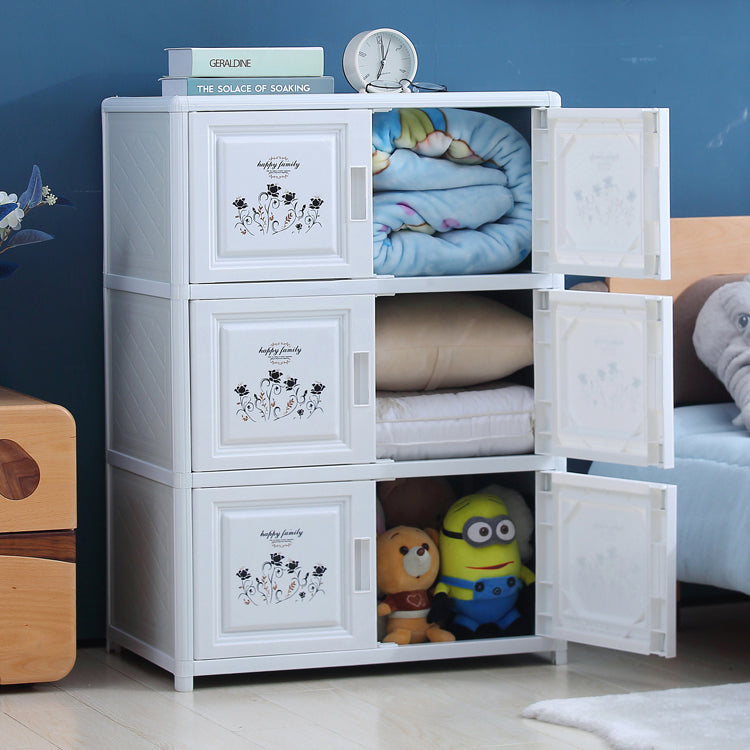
6	208
27	237
33	193
6	269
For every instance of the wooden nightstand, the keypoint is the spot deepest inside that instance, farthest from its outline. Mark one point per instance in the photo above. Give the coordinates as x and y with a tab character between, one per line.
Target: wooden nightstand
37	539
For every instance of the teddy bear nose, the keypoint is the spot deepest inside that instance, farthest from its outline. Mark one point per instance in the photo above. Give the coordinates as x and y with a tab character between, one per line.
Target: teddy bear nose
418	561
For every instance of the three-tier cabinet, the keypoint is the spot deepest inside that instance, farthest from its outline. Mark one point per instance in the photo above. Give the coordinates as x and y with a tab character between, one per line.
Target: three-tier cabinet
206	485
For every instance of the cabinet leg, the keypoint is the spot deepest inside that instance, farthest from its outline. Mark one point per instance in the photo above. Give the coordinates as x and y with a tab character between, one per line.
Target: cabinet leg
183	684
112	648
559	657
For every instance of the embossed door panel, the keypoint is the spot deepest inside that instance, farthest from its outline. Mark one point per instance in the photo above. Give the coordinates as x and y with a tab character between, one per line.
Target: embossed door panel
284	569
280	195
282	382
601	191
603	377
605	562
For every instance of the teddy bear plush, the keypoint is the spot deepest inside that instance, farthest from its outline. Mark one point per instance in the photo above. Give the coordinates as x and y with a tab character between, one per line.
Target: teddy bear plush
408	562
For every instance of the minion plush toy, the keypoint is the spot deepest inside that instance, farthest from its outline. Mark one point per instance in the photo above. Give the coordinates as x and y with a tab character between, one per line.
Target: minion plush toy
481	573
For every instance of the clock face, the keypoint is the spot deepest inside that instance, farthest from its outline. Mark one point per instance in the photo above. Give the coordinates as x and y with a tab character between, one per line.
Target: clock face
380	55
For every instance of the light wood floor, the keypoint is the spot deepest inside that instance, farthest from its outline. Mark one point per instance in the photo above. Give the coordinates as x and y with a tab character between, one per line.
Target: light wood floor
124	703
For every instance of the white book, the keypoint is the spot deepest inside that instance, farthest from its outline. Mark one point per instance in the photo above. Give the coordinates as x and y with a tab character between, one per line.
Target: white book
182	86
249	62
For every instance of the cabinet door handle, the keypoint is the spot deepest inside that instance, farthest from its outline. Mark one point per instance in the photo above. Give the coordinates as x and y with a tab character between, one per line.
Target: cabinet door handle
358	193
361	379
362	581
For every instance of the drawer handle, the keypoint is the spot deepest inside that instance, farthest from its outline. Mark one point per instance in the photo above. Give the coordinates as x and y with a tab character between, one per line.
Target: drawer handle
358	194
19	472
361	376
362	582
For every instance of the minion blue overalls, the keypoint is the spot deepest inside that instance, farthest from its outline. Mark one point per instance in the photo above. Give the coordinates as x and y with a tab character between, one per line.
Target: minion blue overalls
493	601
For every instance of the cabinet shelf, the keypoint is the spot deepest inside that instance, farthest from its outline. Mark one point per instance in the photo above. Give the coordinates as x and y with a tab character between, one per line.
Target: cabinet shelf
377	285
379	471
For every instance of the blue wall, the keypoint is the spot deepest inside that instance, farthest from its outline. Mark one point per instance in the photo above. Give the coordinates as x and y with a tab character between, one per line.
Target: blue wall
61	59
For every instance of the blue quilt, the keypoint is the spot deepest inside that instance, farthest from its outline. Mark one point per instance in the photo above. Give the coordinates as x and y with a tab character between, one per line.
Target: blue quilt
452	193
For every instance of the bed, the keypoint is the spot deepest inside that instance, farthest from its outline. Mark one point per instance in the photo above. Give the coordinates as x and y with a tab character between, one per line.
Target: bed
712	454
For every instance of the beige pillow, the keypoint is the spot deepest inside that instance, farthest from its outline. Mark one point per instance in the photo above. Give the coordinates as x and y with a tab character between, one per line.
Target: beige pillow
447	340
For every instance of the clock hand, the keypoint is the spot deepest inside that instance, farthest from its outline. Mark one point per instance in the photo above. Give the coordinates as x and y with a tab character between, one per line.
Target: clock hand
382	57
384	53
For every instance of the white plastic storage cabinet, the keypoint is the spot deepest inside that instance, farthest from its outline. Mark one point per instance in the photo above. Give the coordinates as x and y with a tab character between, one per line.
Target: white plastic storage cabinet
240	365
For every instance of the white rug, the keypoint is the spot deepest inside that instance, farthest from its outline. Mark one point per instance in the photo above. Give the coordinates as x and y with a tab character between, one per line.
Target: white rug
714	718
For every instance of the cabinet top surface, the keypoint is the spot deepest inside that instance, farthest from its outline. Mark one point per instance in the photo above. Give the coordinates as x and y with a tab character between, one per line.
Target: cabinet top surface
14	398
332	101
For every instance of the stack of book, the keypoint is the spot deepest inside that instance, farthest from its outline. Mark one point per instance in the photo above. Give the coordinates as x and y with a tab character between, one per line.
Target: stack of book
218	71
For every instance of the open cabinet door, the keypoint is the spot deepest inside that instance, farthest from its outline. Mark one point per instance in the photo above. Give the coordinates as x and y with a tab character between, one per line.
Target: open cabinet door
603	377
605	567
601	192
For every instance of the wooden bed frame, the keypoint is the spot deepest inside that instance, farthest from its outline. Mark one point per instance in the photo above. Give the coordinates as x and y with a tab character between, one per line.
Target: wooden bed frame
693	242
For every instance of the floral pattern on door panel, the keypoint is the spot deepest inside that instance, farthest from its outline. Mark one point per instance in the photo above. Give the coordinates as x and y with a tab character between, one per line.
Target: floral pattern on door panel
609	387
277	210
279	396
280	580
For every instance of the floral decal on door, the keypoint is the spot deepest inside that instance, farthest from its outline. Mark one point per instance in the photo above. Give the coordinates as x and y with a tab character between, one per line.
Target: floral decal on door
605	203
279	396
609	387
277	210
281	579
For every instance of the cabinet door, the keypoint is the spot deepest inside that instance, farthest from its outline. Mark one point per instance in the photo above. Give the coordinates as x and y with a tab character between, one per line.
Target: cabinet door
284	569
282	382
605	562
601	192
280	195
603	377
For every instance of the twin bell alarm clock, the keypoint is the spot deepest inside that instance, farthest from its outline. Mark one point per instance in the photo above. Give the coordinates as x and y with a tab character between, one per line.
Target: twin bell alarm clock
380	60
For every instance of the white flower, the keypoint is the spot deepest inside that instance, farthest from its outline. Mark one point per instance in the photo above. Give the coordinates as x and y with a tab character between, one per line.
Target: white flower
12	219
47	196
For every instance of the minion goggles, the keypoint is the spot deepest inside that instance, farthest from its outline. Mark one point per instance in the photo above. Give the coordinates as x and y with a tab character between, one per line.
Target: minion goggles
482	532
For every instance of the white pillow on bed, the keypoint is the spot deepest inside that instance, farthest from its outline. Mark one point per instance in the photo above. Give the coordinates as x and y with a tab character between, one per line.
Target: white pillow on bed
488	420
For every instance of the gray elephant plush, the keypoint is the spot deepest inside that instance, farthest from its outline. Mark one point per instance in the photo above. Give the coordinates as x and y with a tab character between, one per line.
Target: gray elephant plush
721	338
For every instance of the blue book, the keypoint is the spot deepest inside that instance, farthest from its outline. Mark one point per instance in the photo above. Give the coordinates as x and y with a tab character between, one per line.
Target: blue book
246	62
182	86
